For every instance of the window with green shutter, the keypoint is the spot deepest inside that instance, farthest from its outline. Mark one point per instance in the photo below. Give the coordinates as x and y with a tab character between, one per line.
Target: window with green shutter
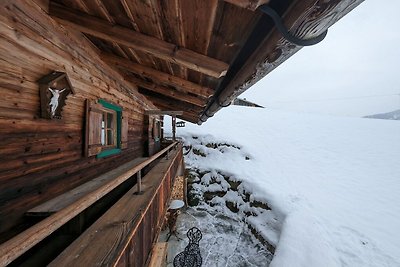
106	129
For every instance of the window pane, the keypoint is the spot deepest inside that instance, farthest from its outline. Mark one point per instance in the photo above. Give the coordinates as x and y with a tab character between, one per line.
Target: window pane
110	120
110	137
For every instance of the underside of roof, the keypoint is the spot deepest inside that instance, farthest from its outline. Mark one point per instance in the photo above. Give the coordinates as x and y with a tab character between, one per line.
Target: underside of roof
195	56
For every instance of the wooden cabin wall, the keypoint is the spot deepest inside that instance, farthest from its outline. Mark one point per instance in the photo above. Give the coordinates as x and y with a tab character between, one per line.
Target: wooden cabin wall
153	144
148	124
42	158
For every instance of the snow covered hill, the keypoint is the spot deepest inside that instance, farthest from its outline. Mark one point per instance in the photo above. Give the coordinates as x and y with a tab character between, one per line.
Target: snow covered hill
333	183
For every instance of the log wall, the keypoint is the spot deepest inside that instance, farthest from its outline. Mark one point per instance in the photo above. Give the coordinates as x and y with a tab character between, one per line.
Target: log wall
42	158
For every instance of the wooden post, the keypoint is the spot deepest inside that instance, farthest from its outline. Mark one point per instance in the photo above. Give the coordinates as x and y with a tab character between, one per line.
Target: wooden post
173	127
159	255
139	182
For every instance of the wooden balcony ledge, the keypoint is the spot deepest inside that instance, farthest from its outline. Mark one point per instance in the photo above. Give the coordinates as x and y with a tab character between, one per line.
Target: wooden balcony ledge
124	234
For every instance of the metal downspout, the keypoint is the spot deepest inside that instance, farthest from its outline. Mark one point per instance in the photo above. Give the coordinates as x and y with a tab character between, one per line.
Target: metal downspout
224	98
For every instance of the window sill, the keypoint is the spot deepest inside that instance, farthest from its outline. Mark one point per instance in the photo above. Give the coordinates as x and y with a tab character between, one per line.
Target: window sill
108	152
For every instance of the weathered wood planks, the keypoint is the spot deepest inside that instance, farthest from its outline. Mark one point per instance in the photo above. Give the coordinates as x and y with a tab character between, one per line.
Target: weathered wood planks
214	29
108	241
86	195
156	47
41	159
157	76
183	96
159	255
248	4
60	202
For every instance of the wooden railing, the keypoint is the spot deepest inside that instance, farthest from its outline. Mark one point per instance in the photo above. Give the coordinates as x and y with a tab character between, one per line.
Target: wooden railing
15	247
125	234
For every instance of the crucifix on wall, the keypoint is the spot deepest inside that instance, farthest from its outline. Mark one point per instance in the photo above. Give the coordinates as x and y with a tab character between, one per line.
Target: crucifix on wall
54	89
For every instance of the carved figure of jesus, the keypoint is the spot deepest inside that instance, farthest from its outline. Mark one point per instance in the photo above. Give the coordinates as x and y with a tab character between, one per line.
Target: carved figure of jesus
55	99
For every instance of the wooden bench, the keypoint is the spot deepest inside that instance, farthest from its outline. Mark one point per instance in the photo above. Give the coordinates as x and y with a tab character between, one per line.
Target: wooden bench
63	208
124	235
100	186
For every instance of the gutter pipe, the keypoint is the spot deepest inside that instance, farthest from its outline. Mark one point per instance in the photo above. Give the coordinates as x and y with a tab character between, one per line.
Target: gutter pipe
225	97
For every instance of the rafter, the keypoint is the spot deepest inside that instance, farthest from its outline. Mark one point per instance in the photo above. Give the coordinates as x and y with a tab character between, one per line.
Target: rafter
201	102
157	76
163	112
138	41
166	99
187	116
248	4
173	104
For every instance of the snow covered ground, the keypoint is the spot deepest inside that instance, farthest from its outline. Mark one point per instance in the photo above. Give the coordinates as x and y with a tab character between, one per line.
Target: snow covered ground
333	183
226	241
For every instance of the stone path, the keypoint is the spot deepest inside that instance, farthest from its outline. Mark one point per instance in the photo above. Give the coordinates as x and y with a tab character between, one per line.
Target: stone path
226	242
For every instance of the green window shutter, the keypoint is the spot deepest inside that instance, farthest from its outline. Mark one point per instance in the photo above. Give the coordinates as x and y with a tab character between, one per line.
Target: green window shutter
94	116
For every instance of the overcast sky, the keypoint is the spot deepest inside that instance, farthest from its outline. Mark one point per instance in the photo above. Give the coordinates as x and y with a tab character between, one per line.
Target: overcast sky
355	71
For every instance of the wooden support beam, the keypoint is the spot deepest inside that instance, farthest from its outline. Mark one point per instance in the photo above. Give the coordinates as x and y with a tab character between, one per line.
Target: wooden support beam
163	112
159	255
182	96
157	76
173	128
172	104
188	115
248	4
138	41
190	112
188	118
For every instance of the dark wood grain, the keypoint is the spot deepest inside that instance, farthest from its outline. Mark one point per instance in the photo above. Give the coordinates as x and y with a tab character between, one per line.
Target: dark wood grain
107	240
157	76
41	158
168	91
248	4
86	195
60	202
156	47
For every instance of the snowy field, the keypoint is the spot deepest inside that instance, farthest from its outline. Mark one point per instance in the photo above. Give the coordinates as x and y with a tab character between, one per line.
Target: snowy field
333	183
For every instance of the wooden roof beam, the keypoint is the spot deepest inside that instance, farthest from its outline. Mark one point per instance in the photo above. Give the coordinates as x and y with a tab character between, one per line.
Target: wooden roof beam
248	4
187	115
138	41
157	76
201	102
173	104
187	118
163	112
